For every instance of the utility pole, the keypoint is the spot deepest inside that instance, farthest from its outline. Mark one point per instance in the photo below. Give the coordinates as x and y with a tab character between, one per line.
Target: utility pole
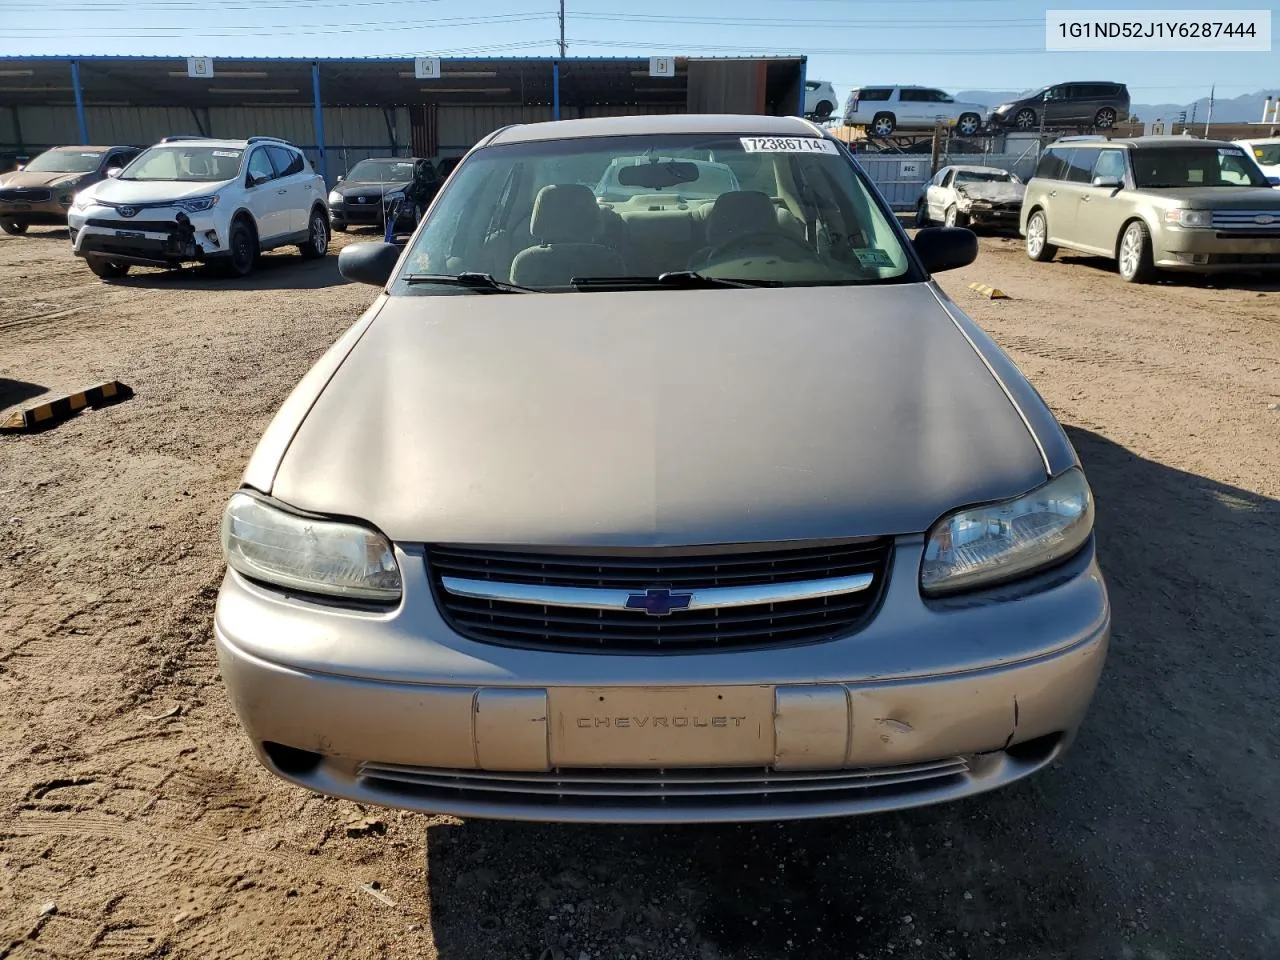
562	29
1209	119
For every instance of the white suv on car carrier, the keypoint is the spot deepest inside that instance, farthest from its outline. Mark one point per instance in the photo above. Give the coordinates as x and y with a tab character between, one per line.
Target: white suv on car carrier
197	199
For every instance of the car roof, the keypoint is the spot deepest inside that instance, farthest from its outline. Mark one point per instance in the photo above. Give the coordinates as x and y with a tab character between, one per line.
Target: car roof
1169	142
78	146
1257	140
711	123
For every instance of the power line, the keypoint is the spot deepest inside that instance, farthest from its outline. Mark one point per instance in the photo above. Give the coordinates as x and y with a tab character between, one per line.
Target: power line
791	23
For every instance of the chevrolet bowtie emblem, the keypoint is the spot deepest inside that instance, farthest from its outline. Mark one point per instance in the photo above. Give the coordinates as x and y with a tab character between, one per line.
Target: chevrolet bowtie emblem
658	602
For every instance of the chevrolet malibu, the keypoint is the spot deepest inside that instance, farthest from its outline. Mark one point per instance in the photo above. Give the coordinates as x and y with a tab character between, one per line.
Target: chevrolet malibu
692	505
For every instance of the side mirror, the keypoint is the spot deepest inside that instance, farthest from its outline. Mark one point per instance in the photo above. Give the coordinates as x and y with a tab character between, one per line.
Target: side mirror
114	171
945	248
1109	183
370	263
1274	181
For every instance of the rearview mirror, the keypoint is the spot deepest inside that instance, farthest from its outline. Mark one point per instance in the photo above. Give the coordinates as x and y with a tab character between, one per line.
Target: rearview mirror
370	263
945	248
657	176
1109	183
114	171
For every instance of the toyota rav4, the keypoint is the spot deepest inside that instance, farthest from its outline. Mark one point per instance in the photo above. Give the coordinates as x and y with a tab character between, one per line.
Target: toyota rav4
193	199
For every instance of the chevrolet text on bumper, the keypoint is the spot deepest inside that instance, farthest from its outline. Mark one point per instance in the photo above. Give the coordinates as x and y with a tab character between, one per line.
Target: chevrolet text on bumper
832	556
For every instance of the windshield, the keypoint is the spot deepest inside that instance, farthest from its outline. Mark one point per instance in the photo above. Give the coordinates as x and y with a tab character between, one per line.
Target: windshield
1195	166
382	171
186	164
985	176
1268	154
547	214
65	161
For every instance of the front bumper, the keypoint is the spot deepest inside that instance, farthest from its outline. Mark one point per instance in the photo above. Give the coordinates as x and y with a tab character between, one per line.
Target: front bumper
929	702
367	215
1003	216
1217	251
155	237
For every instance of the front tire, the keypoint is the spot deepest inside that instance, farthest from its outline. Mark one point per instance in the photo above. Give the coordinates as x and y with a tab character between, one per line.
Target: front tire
922	214
969	124
107	269
1038	246
13	227
1135	261
317	244
243	247
1025	119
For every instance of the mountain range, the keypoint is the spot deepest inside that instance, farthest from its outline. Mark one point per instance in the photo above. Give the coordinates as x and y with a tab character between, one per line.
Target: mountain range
1243	109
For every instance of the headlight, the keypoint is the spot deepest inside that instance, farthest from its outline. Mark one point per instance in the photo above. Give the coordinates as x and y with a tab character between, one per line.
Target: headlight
198	204
334	197
394	195
66	199
1004	108
1189	218
340	559
980	546
82	202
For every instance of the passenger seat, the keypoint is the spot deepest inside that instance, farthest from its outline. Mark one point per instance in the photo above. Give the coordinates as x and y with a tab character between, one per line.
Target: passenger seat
571	235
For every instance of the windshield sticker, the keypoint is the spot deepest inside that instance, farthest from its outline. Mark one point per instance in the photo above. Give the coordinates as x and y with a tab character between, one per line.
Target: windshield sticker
788	145
873	257
232	154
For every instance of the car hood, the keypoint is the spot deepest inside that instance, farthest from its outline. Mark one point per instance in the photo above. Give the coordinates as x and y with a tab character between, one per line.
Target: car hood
995	192
153	191
35	178
346	185
658	418
1220	198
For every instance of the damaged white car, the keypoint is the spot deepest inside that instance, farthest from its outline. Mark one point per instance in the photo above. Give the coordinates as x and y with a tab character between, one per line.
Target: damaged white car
966	196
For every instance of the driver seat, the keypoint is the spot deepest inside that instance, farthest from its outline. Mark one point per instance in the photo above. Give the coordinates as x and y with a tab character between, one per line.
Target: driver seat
742	213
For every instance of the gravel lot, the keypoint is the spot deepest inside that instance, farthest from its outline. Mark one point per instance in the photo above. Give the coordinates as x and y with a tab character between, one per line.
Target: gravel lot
129	798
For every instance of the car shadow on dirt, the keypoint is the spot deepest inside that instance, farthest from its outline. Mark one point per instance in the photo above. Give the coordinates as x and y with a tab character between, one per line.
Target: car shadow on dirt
1149	841
16	392
1268	282
274	271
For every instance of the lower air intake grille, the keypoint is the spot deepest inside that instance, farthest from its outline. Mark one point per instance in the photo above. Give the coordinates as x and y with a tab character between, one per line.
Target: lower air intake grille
568	627
688	787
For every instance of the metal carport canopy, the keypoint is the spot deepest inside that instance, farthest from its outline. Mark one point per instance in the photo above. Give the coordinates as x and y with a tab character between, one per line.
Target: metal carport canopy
287	81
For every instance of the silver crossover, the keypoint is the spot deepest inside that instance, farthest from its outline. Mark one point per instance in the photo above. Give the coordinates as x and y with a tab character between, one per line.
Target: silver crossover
699	501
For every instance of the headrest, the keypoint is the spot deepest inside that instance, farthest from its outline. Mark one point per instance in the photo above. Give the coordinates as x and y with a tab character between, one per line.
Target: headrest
565	213
738	213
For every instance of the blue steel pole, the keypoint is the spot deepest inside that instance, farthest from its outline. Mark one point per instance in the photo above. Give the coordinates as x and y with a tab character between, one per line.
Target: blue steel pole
804	77
555	90
75	82
324	160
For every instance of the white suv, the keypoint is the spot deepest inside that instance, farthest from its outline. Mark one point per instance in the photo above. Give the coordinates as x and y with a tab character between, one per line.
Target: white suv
882	110
187	199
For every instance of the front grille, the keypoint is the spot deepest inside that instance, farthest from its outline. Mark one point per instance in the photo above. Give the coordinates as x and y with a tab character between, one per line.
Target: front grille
25	195
154	226
683	787
1246	219
588	630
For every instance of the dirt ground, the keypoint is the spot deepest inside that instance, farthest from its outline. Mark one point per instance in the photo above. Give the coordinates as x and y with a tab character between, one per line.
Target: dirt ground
130	802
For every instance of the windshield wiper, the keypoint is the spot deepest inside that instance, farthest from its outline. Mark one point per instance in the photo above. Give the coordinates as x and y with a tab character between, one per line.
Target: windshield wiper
684	279
476	281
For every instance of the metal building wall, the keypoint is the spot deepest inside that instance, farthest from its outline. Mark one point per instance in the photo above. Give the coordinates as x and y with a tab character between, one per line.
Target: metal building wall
462	126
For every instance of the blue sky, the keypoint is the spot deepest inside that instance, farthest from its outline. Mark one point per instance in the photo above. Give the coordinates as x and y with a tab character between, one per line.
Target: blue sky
954	44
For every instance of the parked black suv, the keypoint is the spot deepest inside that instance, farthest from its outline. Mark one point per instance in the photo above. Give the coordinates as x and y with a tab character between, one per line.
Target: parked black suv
1093	104
367	192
